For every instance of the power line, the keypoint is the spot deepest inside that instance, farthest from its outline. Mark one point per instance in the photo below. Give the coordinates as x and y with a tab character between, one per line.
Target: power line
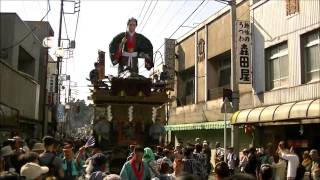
182	23
165	27
31	31
144	4
146	11
149	15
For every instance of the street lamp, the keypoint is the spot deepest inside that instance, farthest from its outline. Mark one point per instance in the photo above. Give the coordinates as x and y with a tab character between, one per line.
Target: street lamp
47	42
59	52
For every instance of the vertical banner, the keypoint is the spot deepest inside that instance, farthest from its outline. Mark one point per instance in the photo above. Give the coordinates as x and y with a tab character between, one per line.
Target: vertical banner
169	59
101	64
243	52
60	113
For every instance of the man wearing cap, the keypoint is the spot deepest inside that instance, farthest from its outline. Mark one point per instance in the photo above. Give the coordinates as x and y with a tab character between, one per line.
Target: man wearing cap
38	148
6	154
49	158
136	169
33	171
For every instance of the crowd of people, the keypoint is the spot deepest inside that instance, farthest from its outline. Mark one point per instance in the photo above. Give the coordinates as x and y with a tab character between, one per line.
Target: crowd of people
76	159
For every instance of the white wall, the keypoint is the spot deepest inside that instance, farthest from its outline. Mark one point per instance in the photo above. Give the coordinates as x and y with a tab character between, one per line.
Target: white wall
271	26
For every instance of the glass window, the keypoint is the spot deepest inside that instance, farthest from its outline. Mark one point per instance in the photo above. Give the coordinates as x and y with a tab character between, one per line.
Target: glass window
311	56
224	72
277	66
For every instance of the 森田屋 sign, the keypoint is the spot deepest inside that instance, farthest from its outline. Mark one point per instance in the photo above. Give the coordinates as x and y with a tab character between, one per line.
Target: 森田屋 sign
243	52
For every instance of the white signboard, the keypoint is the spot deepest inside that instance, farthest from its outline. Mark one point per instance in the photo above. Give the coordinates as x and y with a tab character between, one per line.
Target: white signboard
243	52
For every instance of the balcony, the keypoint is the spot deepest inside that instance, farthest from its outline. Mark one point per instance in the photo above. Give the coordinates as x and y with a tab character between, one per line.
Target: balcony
20	91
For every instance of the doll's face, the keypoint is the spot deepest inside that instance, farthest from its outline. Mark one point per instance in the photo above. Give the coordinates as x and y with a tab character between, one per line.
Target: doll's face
132	26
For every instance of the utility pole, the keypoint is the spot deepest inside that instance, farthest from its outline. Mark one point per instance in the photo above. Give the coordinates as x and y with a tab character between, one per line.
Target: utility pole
234	78
59	59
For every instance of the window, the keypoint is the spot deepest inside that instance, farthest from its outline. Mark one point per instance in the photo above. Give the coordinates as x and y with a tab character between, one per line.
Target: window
26	62
292	6
277	66
224	72
311	56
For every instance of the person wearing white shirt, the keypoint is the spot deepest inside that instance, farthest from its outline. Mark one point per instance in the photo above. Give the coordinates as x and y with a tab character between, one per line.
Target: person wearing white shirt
293	163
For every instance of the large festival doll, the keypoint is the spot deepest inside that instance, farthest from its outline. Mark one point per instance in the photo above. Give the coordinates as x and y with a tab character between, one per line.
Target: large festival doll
127	47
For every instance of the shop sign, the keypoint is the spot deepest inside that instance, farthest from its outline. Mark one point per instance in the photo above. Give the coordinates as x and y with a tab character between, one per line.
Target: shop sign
243	52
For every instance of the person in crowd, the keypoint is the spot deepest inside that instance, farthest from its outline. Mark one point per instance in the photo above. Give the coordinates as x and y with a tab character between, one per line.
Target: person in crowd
221	170
38	148
218	154
177	168
98	167
207	151
279	168
164	172
190	165
131	149
243	160
201	157
264	156
28	157
253	163
293	162
149	159
6	154
136	169
33	171
315	167
72	166
266	172
166	158
159	153
306	161
232	160
178	153
241	176
7	175
112	177
48	158
18	149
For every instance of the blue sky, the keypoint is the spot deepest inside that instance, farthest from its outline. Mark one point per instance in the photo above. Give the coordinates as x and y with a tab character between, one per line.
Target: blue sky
100	21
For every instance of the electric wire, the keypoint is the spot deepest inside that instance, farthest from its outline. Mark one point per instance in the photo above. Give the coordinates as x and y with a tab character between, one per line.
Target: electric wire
27	34
144	4
146	12
149	15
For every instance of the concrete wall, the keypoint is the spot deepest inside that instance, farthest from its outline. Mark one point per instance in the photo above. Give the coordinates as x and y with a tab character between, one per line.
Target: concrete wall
19	91
13	31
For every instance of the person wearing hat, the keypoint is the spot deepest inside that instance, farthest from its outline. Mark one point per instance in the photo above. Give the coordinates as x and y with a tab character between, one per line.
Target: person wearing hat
149	158
48	158
38	148
7	153
136	169
33	171
98	167
72	166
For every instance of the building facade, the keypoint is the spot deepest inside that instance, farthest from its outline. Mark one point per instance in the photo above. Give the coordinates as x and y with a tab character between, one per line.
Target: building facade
286	73
23	72
203	69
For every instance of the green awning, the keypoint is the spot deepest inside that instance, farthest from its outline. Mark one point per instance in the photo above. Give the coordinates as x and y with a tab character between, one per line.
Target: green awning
197	126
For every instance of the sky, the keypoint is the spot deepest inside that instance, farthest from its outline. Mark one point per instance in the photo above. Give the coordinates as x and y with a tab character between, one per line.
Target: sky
100	20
